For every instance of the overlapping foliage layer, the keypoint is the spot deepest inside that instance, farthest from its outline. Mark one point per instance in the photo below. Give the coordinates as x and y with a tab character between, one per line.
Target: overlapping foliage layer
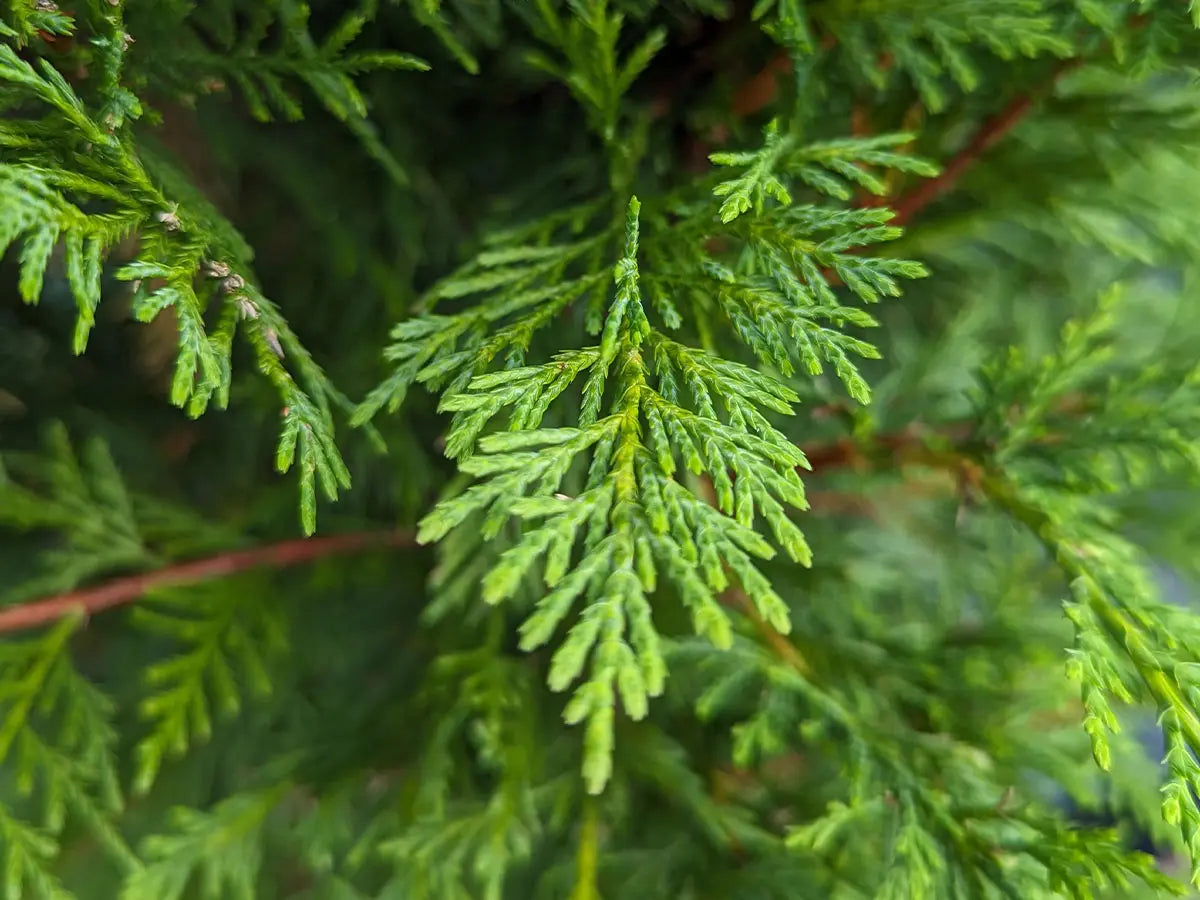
764	382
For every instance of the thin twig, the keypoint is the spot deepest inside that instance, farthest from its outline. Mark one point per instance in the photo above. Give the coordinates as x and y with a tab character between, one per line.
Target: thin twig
907	445
989	133
588	854
779	643
120	591
129	588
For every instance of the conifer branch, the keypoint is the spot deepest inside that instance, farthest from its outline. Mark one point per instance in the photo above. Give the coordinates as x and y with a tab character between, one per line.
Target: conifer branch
619	380
761	90
124	590
899	445
990	132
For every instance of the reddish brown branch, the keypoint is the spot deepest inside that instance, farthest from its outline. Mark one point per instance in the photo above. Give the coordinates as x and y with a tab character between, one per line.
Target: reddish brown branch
908	445
119	591
989	133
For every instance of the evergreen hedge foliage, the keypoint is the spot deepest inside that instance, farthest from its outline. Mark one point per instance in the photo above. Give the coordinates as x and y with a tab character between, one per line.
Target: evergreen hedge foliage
756	448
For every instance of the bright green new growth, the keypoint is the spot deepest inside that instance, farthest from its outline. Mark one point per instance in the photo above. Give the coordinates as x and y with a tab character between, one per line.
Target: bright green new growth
674	414
804	592
631	517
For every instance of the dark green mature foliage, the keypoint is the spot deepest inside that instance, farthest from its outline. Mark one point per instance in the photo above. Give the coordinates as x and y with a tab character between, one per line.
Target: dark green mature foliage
765	381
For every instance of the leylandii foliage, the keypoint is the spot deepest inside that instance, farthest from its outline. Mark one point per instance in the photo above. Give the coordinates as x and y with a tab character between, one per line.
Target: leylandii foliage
780	479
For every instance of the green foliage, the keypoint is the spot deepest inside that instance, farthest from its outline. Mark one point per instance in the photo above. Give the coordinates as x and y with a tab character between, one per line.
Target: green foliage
804	590
593	69
56	741
26	18
226	643
833	168
632	517
263	72
86	504
673	409
788	23
222	845
187	257
934	42
468	24
779	300
467	849
1127	641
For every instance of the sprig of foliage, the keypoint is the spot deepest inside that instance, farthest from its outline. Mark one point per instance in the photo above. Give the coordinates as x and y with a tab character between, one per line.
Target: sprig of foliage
632	518
930	43
26	855
270	46
83	500
631	513
221	845
1056	479
787	22
777	292
833	168
57	742
325	68
1151	5
478	18
539	277
968	830
228	642
81	497
187	257
438	834
25	19
589	62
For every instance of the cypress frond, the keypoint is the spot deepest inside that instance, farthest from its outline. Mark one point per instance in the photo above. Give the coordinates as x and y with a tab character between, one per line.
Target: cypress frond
798	396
